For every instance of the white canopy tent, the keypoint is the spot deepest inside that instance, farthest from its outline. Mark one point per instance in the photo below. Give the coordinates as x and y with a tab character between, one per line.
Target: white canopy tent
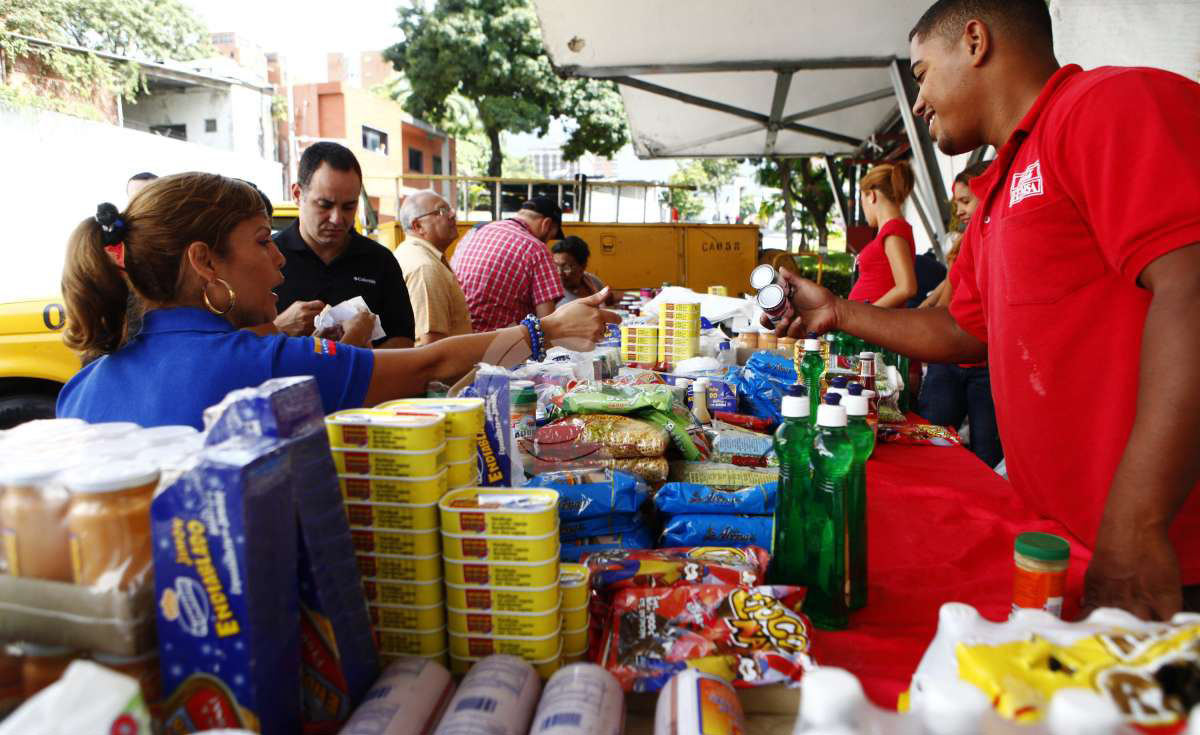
756	78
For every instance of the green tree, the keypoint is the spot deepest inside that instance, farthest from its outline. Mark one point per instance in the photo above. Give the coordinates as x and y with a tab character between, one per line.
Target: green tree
490	53
807	185
705	175
148	30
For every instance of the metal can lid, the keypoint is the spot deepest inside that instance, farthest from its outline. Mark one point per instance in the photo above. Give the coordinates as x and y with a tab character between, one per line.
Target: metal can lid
771	297
1043	546
762	276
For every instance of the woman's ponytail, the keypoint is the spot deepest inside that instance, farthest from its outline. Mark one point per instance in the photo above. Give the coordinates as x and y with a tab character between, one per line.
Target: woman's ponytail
94	287
893	180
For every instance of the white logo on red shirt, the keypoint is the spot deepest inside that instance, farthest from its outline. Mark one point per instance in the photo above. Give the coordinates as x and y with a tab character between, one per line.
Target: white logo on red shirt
1025	184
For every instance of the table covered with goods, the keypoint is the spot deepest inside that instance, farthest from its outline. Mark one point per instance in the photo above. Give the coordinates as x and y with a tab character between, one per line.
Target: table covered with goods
683	531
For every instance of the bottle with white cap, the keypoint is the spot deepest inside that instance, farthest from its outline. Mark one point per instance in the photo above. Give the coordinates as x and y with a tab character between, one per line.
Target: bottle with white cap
812	367
826	570
700	401
863	439
793	447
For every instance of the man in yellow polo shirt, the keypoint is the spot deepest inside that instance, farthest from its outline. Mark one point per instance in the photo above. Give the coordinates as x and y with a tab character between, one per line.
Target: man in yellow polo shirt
439	306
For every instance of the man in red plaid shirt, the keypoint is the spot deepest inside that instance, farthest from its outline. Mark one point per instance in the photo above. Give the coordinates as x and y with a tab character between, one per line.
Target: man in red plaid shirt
506	270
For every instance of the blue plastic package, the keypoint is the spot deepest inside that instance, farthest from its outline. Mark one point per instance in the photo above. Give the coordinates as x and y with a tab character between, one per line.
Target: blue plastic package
593	493
761	382
638	538
603	526
713	530
682	498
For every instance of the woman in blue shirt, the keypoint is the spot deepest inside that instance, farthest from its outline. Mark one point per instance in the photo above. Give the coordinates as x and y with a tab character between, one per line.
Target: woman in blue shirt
196	249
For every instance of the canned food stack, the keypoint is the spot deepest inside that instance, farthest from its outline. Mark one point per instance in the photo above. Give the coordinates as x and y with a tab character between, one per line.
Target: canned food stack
392	472
464	425
678	332
574	581
639	345
500	549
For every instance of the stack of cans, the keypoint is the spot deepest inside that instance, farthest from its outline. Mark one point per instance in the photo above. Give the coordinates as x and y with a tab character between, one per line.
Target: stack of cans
678	333
574	581
501	554
639	345
392	473
464	427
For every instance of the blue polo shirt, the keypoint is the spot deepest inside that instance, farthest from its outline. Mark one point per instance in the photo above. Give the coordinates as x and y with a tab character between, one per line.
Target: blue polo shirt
185	360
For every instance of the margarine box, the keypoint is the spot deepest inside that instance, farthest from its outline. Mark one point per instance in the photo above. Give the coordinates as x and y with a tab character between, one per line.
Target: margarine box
364	428
464	416
412	594
226	597
281	407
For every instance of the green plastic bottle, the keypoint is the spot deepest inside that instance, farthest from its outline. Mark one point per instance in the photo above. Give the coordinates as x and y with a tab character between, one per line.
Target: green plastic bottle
828	551
793	446
812	367
863	439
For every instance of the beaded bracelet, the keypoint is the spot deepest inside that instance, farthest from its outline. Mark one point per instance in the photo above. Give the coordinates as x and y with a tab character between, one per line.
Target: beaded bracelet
537	338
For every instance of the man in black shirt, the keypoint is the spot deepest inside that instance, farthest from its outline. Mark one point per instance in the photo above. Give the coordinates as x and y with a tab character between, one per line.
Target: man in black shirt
327	261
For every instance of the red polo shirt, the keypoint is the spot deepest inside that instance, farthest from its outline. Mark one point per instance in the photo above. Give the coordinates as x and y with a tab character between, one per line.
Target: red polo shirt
1096	182
874	268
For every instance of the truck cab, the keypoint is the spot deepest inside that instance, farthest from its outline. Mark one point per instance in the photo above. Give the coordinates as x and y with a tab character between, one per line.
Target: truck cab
34	362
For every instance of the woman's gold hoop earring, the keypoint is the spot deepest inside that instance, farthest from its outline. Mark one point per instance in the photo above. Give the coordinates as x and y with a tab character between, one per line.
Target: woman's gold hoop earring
232	297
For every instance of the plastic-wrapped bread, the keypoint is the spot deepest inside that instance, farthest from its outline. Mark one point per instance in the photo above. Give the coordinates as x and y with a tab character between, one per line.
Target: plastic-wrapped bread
408	699
695	703
581	699
497	697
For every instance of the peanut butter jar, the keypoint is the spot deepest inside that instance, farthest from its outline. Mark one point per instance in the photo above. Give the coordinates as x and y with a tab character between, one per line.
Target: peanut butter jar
33	514
109	523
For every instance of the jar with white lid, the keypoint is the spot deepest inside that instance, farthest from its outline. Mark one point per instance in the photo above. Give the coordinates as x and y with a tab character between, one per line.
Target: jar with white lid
109	523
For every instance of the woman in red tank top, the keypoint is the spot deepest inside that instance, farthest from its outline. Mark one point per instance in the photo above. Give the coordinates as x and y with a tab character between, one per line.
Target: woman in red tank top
886	275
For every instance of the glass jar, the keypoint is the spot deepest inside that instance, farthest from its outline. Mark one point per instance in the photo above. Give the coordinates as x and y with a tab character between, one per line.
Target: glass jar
1040	581
33	520
109	523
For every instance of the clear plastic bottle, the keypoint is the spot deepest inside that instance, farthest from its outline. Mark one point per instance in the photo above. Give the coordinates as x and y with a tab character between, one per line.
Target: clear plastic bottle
863	439
726	357
793	446
833	454
812	367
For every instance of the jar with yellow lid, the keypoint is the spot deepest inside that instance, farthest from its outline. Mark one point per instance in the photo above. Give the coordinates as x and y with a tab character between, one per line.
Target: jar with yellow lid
1040	582
33	514
109	523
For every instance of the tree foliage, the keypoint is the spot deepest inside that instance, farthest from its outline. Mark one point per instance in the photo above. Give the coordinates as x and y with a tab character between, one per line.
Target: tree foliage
146	30
707	175
489	52
809	187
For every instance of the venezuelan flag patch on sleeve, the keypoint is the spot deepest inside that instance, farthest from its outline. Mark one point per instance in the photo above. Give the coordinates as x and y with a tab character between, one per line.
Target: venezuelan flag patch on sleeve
324	346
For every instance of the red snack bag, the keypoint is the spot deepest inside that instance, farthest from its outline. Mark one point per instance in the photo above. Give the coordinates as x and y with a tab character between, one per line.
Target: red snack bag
620	569
753	423
750	636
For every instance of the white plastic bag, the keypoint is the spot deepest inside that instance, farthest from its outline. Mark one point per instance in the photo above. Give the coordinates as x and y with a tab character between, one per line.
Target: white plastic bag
88	700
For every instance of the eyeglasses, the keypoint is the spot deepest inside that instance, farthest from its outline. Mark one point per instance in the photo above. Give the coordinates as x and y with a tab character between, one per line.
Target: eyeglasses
440	211
568	268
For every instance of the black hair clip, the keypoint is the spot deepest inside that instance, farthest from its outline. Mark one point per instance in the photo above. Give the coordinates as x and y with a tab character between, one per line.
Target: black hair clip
112	227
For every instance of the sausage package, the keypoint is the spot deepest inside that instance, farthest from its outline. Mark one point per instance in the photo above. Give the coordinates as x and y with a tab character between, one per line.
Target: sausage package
408	699
696	529
497	696
225	569
708	565
749	636
688	497
598	493
580	699
338	651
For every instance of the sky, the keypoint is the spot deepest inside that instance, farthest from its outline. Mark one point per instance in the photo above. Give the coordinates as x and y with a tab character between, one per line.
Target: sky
304	30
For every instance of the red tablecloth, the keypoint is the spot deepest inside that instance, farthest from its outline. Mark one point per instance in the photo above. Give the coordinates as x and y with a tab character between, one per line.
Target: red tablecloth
941	527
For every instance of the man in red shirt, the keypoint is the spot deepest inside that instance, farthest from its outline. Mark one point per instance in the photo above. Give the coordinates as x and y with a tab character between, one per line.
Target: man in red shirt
1078	280
505	269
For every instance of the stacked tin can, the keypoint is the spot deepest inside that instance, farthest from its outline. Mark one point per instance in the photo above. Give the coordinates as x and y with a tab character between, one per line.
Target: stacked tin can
574	581
678	332
639	345
501	568
392	472
464	425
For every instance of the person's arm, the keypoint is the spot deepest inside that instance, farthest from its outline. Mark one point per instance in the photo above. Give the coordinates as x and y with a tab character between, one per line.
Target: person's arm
294	321
1134	566
947	293
403	373
930	335
544	309
904	274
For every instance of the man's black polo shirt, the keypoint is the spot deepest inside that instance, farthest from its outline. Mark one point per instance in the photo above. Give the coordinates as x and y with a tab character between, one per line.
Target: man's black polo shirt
365	269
